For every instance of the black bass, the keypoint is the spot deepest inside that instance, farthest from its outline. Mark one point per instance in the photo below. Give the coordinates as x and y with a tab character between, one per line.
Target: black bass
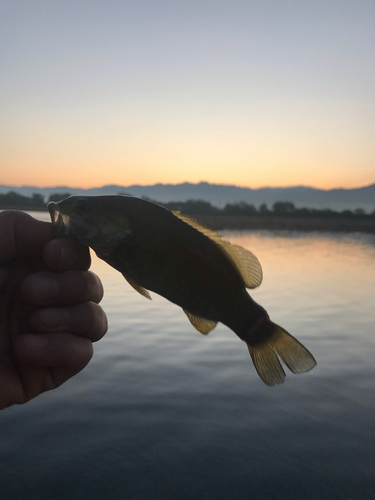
173	255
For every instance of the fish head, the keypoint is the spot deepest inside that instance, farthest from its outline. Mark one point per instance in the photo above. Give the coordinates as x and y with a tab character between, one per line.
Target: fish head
92	220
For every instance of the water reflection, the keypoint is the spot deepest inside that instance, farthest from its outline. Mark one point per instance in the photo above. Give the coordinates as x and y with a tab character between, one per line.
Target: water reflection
164	412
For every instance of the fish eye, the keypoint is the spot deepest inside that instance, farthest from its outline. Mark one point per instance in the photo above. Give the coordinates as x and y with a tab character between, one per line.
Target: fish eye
81	207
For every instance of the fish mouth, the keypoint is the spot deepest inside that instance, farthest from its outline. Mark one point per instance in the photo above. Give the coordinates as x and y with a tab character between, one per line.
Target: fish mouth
60	221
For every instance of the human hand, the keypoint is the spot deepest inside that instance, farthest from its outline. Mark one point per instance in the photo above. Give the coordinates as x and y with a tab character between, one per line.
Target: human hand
49	312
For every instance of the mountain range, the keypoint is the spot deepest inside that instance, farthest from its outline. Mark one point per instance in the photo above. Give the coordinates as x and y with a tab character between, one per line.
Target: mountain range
218	195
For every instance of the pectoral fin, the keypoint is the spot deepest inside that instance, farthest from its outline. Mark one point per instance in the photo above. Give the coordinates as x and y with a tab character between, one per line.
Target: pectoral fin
201	324
137	287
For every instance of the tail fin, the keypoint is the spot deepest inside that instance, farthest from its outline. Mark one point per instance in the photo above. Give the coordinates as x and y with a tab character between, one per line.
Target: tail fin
278	342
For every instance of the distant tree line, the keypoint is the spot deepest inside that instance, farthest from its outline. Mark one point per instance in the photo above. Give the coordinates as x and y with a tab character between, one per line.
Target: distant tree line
280	208
58	196
36	200
198	207
14	199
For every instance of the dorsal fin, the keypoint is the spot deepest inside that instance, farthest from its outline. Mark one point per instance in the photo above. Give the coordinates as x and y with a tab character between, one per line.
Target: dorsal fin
203	325
245	262
137	287
210	233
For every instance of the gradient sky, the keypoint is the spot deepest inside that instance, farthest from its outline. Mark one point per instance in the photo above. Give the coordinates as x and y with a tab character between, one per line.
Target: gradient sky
251	93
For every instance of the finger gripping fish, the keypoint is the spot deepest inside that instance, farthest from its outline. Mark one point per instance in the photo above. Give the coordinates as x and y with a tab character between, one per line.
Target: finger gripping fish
174	256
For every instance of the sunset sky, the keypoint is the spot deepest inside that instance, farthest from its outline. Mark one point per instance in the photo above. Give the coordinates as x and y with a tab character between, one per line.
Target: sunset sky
252	93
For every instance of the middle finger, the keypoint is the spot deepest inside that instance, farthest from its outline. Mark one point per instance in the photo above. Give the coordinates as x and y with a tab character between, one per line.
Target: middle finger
55	289
87	320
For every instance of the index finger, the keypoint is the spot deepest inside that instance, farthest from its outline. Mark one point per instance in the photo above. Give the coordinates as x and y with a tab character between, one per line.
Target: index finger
62	254
22	236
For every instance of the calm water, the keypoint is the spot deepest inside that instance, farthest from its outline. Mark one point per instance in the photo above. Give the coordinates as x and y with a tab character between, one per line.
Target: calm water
163	412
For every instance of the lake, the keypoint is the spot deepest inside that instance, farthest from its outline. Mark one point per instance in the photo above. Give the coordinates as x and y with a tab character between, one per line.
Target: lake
163	412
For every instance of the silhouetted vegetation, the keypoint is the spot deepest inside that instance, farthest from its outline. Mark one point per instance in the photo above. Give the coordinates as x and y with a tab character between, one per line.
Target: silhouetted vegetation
280	208
201	207
14	199
239	209
58	196
192	207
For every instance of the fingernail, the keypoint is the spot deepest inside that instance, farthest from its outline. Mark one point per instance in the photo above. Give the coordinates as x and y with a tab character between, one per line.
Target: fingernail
35	343
44	287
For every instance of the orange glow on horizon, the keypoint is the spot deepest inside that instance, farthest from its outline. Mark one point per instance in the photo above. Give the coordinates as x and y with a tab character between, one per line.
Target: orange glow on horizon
47	182
148	160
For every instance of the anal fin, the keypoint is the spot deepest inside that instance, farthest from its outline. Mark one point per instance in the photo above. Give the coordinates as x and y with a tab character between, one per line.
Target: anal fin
203	325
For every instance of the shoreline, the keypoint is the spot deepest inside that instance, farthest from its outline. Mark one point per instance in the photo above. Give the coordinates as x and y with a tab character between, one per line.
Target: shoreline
287	223
269	222
21	208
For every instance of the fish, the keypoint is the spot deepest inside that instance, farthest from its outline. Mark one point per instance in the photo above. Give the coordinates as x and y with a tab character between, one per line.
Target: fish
173	255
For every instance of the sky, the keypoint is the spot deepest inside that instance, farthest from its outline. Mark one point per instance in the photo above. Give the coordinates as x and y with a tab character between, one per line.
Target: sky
244	92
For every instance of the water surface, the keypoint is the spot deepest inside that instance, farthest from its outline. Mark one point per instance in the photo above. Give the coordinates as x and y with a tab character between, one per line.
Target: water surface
163	412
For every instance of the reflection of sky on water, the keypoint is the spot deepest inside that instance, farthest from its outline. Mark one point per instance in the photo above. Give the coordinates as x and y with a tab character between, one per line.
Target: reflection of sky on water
164	412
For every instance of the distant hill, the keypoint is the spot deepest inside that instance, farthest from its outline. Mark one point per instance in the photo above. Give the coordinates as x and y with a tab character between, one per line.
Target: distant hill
219	195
